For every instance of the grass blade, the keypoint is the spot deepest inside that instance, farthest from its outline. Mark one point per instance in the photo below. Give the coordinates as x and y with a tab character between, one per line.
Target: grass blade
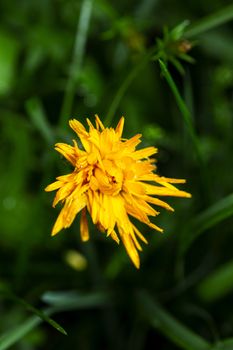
78	54
11	337
44	317
60	302
217	284
71	300
169	326
218	212
36	311
226	344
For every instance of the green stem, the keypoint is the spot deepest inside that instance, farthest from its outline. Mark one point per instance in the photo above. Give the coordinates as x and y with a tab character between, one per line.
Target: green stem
209	22
125	85
78	54
183	109
38	117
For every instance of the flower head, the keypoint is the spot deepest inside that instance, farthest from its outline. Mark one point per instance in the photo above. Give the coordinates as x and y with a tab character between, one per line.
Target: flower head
113	182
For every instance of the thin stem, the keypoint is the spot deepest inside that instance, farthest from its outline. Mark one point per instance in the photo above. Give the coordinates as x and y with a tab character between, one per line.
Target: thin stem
209	22
125	85
38	117
183	109
109	317
78	54
206	23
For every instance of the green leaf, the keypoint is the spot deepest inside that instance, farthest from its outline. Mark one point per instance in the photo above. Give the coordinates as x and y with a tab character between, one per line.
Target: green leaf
10	338
226	344
217	284
8	59
168	325
44	317
187	58
209	218
72	299
39	313
176	63
59	301
178	32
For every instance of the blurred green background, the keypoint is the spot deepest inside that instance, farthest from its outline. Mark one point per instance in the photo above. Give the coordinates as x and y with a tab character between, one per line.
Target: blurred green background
62	59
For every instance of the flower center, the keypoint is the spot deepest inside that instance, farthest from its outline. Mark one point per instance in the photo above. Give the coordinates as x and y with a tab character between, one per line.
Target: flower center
103	176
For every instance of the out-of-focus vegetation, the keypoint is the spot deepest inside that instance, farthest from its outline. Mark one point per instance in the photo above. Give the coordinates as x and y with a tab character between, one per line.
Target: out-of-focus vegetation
62	59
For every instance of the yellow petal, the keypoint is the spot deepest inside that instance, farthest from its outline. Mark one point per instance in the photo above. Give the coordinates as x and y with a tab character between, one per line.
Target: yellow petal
120	126
78	127
139	234
63	192
130	144
81	132
144	153
130	248
114	236
68	213
53	186
158	202
84	231
98	122
155	227
173	181
134	187
91	126
163	191
134	238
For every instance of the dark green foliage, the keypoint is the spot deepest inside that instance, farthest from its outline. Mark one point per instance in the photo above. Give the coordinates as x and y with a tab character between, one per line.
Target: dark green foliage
167	66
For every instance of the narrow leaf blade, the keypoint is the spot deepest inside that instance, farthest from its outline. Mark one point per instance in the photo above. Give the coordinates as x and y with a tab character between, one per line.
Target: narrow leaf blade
169	325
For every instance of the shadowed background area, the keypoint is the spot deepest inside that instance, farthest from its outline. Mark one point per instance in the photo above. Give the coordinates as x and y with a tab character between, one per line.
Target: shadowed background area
72	59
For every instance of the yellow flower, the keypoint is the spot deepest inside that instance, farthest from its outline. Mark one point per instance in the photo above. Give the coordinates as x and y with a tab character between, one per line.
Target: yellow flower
113	182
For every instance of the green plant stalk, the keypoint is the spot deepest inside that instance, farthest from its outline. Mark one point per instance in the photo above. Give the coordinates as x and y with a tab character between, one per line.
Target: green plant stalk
205	24
182	107
37	115
98	279
125	85
78	55
209	22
